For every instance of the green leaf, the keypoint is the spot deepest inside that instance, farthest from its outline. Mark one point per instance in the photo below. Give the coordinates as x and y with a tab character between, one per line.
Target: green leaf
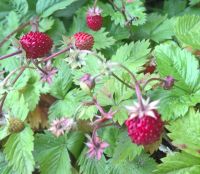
174	103
20	6
102	40
90	165
133	55
186	139
187	30
46	24
18	151
157	28
67	106
4	167
75	143
180	64
194	2
31	91
52	154
46	8
122	154
60	85
135	12
140	165
179	163
174	7
16	103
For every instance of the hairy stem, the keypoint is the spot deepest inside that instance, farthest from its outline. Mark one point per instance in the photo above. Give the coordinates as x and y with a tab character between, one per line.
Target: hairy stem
123	82
95	4
54	55
12	33
10	55
150	80
37	66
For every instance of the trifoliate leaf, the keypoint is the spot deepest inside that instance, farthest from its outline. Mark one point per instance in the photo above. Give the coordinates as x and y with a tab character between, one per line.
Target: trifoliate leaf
179	163
184	133
90	165
187	30
52	154
18	151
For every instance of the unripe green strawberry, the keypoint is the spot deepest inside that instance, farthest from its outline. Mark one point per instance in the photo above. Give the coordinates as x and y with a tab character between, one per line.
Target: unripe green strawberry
15	125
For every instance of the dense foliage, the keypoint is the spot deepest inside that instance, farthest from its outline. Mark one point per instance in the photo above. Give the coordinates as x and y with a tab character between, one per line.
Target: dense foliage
67	92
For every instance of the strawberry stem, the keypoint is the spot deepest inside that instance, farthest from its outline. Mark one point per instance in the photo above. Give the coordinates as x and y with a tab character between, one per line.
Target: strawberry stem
54	55
37	66
35	24
10	55
95	4
150	80
12	33
126	84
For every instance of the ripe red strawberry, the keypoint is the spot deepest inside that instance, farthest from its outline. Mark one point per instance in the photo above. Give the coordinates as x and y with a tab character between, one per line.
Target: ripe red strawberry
84	41
36	44
150	67
144	126
94	19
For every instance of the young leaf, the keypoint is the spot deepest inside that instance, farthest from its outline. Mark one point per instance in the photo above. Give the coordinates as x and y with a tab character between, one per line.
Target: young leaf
179	163
18	151
186	140
52	154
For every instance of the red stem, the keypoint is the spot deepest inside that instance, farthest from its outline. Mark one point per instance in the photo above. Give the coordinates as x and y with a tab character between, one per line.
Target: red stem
54	55
10	55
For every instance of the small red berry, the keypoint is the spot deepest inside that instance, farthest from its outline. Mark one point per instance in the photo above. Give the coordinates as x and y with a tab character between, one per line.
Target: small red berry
150	67
94	19
36	44
144	126
84	41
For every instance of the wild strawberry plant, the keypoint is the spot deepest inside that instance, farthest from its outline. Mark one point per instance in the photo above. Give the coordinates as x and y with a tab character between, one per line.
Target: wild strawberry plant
96	87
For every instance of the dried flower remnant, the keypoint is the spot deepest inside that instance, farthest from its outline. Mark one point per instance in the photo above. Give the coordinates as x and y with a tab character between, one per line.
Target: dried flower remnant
168	82
60	126
96	147
50	72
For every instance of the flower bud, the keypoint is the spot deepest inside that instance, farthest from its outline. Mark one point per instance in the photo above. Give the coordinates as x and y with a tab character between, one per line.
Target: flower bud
168	82
87	82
